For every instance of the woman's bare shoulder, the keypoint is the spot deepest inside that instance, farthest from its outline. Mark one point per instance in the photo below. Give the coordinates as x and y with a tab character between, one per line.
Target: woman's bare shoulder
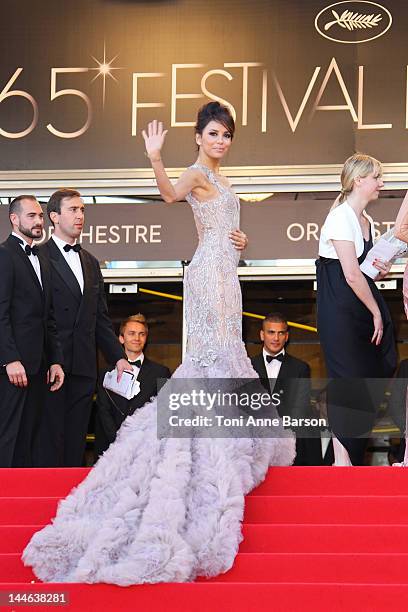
195	174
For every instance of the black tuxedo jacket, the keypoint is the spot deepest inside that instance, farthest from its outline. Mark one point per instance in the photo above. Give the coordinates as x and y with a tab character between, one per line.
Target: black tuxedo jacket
293	385
110	414
83	322
27	325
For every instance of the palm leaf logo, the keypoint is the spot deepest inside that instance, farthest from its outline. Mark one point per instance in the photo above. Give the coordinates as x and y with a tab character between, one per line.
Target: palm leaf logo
353	21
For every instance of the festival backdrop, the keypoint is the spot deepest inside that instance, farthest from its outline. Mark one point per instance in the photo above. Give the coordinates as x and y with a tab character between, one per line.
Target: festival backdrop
277	229
309	81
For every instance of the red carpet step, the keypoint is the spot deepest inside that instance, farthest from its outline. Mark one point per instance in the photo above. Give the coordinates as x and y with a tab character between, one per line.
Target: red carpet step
278	567
314	539
279	538
259	509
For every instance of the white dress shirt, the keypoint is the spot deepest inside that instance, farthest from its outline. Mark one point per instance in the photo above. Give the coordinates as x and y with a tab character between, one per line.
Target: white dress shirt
136	370
73	260
35	262
272	368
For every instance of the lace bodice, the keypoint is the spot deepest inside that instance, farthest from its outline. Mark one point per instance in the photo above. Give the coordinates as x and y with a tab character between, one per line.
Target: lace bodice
212	292
215	218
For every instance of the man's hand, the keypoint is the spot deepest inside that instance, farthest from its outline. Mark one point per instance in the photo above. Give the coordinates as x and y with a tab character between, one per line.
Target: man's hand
121	366
55	376
238	239
17	374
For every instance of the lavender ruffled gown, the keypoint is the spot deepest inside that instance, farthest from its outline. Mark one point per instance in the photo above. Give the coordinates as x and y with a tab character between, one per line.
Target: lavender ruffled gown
169	510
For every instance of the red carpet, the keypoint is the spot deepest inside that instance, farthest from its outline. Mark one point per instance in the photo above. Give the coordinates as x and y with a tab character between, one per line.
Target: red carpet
315	539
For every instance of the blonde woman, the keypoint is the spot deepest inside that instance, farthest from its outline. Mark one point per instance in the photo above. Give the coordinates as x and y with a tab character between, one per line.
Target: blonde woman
354	323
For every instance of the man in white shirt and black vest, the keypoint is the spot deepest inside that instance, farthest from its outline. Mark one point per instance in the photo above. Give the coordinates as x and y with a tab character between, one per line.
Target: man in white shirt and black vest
83	325
290	377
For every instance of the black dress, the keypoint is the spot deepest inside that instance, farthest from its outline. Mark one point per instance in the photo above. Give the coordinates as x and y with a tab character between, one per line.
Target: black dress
346	327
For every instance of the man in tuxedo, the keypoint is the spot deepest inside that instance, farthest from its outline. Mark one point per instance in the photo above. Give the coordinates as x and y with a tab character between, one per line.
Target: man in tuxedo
30	353
83	325
112	409
290	377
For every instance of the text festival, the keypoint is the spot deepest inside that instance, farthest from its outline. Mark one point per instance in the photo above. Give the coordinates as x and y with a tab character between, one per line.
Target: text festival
172	99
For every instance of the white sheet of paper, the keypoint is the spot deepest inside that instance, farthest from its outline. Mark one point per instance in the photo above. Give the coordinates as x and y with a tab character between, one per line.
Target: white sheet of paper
128	386
383	250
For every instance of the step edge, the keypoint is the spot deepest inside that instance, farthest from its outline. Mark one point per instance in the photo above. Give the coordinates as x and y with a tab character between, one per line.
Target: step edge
287	554
192	585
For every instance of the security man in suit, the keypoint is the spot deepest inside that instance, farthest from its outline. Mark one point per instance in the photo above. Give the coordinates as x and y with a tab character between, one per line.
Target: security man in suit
112	409
289	376
30	353
83	325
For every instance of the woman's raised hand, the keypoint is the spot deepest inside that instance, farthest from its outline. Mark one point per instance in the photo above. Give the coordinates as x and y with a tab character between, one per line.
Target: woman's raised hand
154	139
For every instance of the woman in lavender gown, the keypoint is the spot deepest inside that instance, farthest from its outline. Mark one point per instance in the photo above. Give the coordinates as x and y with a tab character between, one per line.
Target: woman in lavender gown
168	510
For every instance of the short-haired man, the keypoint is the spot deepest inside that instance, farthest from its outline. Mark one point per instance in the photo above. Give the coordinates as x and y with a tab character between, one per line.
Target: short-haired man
30	354
112	409
290	377
83	324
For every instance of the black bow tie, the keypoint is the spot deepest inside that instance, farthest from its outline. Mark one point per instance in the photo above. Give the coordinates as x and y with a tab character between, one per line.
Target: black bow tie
28	249
137	363
72	247
31	250
270	358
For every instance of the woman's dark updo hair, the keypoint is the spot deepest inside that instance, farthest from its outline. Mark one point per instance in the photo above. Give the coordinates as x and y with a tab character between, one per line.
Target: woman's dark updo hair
214	111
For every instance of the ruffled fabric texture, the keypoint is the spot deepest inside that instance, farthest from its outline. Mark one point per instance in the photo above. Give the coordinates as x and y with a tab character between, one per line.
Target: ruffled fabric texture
168	510
156	510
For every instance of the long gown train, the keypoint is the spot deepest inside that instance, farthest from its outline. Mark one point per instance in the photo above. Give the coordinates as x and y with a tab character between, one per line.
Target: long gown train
168	510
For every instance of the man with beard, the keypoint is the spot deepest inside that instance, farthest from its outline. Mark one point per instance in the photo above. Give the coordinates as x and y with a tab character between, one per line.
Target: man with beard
83	324
30	354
